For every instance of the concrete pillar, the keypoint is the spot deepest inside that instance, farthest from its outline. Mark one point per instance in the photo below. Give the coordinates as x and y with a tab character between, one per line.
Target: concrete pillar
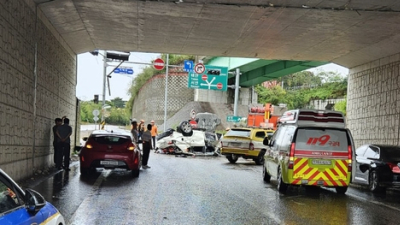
373	102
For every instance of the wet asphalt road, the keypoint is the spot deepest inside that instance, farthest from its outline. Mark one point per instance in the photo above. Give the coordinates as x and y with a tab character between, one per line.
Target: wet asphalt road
206	190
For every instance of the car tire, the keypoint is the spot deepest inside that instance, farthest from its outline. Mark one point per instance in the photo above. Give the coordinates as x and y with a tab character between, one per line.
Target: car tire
85	171
341	190
266	176
373	181
282	187
135	173
232	158
185	128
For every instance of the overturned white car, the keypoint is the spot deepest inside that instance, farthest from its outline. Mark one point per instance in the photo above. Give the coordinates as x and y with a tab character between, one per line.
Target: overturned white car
188	141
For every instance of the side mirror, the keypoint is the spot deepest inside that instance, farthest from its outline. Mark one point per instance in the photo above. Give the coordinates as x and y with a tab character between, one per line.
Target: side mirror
266	141
85	138
34	201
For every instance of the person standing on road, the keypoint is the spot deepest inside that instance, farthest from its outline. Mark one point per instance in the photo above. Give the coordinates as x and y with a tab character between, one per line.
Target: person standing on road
154	133
64	143
134	132
146	141
58	122
141	128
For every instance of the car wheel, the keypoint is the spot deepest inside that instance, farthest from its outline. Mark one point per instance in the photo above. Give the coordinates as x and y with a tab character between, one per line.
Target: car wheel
185	128
259	160
232	158
282	187
266	176
341	190
373	181
85	171
135	173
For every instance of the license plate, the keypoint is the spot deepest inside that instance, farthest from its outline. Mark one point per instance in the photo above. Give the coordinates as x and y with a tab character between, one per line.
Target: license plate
114	163
321	162
235	144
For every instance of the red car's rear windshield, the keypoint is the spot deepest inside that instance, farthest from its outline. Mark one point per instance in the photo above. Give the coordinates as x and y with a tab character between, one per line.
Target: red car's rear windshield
110	140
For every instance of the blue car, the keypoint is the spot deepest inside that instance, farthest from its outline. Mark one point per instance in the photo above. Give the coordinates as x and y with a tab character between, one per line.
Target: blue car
24	207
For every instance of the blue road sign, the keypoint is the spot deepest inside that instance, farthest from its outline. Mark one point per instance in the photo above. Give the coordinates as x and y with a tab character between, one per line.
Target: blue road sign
188	65
123	70
213	78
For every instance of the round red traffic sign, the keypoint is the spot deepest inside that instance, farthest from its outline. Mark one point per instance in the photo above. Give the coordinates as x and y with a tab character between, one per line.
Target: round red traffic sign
204	77
159	64
199	68
219	85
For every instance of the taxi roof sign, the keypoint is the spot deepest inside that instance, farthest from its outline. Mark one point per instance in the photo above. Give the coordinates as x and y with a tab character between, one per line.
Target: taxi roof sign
310	117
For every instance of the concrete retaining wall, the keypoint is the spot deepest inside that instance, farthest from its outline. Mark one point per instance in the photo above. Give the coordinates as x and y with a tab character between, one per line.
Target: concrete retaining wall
324	104
149	103
373	102
29	100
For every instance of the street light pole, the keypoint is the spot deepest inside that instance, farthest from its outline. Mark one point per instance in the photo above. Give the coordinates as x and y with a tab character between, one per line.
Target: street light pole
104	84
166	93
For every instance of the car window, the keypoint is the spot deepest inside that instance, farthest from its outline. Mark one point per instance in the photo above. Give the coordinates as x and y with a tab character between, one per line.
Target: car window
109	140
287	138
325	139
277	138
8	198
361	150
238	133
372	152
391	153
210	136
260	134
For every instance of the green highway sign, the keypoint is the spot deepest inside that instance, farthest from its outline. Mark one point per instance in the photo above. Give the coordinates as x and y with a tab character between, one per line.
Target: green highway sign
208	77
235	119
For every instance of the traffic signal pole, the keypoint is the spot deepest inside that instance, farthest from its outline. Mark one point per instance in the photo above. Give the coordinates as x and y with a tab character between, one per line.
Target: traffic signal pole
237	79
166	93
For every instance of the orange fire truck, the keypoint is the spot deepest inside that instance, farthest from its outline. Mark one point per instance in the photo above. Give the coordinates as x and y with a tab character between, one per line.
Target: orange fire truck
265	116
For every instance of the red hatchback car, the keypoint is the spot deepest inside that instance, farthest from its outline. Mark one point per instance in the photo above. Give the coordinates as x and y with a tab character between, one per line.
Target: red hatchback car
110	150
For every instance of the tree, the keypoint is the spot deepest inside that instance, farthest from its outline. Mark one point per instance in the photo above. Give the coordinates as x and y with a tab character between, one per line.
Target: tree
274	95
303	78
312	87
341	106
118	102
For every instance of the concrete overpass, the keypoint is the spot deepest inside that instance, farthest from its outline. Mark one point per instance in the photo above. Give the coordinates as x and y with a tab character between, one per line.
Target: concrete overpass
41	38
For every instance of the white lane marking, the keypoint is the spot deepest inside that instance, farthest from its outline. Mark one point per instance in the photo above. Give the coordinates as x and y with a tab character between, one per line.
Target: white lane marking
85	205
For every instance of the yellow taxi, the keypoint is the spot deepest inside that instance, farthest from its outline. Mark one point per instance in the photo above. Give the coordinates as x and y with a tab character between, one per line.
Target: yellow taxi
244	142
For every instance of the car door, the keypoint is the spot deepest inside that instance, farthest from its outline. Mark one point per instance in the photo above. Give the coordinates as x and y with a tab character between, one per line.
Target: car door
273	161
371	157
360	174
258	139
12	207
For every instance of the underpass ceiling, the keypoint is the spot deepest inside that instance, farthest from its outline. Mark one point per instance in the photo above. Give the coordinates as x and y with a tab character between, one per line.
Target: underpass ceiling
346	32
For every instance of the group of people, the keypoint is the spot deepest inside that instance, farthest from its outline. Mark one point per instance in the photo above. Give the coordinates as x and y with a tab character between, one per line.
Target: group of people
62	143
147	135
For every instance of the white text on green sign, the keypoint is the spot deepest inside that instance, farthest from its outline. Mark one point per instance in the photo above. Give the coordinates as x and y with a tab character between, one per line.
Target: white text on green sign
213	78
